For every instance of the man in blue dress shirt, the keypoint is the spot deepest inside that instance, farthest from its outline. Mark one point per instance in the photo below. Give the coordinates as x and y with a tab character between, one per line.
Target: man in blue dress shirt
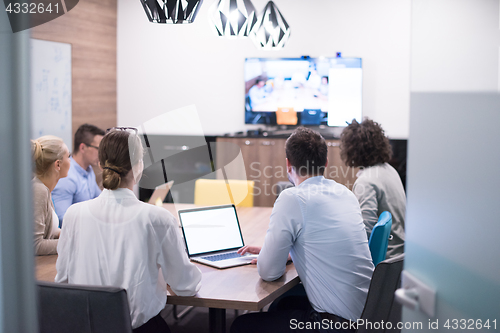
80	184
317	223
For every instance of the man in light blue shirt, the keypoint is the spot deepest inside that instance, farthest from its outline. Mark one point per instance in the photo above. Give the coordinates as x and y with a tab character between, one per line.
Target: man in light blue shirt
319	224
80	184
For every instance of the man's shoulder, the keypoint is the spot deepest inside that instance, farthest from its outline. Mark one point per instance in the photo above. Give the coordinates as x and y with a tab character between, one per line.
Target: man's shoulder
323	185
289	202
73	172
377	175
368	176
288	194
68	183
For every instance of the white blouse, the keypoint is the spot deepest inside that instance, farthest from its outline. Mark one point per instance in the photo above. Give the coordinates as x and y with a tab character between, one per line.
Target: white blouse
117	240
54	228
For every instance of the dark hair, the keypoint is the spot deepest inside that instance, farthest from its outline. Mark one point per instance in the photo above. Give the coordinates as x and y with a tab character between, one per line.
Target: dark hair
365	144
118	151
307	152
85	134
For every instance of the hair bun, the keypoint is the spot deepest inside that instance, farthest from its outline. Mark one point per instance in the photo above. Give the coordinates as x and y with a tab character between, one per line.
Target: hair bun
111	176
115	170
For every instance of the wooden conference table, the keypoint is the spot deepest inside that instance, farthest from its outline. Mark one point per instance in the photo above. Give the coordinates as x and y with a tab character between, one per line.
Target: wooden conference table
233	288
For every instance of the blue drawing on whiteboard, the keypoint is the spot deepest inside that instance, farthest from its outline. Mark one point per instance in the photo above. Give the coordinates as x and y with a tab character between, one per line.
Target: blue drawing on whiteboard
51	89
57	54
54	105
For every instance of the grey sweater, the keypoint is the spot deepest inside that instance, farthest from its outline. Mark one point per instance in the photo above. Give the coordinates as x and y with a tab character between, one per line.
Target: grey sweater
378	189
42	204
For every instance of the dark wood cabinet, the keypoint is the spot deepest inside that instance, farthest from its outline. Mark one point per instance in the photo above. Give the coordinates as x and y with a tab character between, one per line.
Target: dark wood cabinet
260	159
263	161
336	169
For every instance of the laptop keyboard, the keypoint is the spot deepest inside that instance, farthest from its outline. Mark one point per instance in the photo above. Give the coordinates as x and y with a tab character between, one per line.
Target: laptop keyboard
224	256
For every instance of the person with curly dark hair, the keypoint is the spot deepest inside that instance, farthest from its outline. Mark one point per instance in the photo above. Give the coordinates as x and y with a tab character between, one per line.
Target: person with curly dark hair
378	186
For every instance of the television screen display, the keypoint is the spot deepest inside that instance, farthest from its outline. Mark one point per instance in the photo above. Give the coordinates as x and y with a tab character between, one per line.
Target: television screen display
303	91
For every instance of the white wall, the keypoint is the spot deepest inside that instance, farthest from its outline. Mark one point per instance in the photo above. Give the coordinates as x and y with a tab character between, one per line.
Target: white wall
165	67
454	45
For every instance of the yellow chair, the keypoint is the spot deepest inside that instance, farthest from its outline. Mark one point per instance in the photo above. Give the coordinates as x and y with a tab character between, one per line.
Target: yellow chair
210	192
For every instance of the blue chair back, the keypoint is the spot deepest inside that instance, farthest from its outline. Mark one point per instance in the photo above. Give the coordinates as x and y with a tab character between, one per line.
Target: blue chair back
379	238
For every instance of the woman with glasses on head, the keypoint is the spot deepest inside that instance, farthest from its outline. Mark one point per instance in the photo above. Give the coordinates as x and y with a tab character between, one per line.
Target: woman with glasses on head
51	158
117	240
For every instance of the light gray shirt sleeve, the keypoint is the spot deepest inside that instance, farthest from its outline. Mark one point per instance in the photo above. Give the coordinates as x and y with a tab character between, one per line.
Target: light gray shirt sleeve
284	226
366	194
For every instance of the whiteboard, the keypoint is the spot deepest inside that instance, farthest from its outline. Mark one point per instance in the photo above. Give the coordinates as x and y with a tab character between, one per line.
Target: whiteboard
51	90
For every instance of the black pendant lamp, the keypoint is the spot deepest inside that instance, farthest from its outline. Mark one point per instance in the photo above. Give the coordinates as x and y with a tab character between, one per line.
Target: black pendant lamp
272	31
171	11
233	18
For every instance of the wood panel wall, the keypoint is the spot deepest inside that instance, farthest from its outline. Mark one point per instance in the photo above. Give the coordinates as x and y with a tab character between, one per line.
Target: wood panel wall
90	28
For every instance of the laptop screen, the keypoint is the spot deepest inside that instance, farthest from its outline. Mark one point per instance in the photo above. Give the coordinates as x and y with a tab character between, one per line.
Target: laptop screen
211	229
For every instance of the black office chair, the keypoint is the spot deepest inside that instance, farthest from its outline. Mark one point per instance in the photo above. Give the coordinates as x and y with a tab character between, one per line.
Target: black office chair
281	186
380	303
85	309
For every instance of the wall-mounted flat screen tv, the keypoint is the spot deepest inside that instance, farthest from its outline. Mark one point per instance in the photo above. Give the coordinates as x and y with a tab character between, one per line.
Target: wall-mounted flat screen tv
303	91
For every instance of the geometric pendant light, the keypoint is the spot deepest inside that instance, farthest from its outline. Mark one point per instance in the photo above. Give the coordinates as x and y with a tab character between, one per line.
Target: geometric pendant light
272	30
233	18
171	11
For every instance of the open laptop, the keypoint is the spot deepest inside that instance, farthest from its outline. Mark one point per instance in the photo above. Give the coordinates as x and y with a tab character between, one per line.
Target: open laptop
160	193
213	235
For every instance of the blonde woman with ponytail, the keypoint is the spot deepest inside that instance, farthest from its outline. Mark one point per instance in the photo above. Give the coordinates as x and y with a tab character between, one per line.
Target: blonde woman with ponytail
117	240
51	159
